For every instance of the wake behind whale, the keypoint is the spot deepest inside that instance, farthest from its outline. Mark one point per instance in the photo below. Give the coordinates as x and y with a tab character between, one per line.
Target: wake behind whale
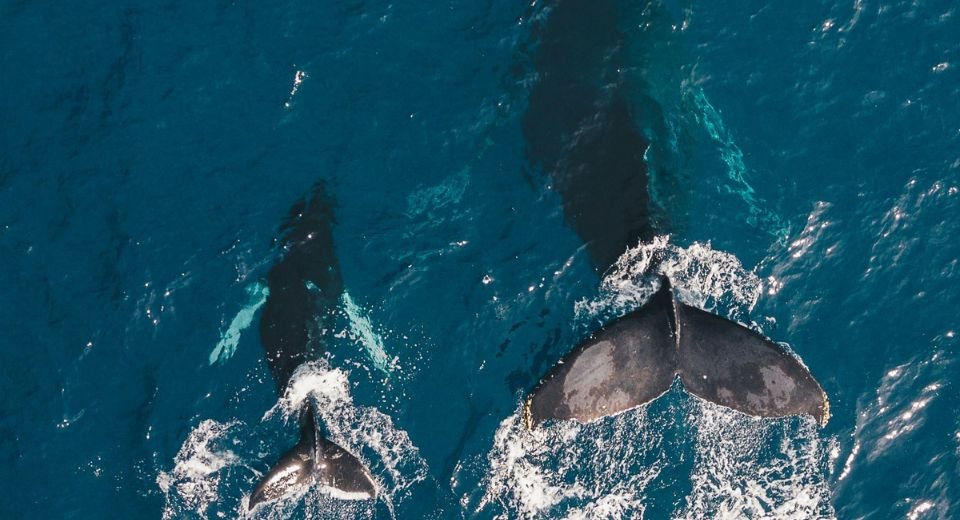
300	322
304	288
581	129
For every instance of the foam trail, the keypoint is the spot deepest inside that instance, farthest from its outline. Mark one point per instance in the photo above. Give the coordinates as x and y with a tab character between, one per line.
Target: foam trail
391	456
703	277
230	338
743	467
571	469
361	329
193	483
732	156
220	461
747	467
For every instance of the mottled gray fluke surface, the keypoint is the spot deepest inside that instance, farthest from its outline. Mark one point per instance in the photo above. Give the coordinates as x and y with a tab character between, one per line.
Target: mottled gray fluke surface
581	129
636	358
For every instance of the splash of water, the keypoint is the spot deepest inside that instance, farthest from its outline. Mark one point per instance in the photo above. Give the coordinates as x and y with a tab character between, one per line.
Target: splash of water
743	467
214	451
391	456
578	470
193	483
701	275
746	467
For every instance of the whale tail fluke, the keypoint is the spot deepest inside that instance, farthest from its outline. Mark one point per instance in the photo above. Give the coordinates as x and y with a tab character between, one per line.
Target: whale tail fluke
636	358
315	460
726	363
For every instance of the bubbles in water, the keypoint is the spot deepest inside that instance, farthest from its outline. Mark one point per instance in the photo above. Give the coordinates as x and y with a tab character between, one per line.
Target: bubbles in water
213	450
702	277
742	467
747	467
578	470
193	483
391	456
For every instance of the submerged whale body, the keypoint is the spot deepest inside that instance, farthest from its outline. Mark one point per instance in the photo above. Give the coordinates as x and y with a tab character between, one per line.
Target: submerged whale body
581	130
305	286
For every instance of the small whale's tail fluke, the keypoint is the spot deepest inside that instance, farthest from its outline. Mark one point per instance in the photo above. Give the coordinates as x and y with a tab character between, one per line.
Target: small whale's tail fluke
636	358
315	460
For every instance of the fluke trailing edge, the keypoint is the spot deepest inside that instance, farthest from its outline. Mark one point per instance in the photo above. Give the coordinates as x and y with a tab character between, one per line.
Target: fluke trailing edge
636	358
305	287
580	128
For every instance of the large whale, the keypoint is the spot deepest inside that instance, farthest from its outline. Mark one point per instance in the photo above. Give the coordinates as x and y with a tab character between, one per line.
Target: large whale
305	288
580	129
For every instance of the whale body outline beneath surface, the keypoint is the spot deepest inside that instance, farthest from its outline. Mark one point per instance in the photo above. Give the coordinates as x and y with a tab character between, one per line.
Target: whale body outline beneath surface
304	289
581	130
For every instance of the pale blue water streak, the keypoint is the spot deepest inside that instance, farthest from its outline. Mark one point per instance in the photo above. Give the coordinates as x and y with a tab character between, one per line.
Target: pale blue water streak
149	151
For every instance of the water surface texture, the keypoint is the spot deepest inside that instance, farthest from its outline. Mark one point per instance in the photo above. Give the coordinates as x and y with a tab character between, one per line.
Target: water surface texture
806	156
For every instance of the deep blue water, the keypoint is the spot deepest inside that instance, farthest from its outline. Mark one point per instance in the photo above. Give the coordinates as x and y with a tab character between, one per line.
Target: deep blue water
149	151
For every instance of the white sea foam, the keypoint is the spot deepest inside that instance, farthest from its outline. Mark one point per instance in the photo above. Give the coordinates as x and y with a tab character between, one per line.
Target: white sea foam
583	471
298	78
703	277
747	467
392	457
326	386
193	483
214	451
743	467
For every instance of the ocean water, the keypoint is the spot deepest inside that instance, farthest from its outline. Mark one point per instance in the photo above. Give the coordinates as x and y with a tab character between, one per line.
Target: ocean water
807	155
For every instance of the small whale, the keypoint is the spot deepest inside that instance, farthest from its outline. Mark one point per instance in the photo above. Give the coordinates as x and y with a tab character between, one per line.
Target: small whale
305	287
580	129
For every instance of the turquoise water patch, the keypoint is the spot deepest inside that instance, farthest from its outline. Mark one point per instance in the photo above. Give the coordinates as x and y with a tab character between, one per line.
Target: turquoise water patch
230	338
732	156
148	165
362	331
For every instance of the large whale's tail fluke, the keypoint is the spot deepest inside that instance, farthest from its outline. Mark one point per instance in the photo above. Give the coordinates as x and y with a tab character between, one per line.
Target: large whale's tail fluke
315	460
636	358
731	365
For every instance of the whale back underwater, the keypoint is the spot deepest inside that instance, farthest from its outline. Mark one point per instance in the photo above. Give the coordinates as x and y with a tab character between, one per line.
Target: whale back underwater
580	130
150	162
304	289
